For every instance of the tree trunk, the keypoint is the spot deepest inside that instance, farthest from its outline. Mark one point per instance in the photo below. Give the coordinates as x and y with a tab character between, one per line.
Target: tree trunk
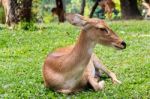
147	1
12	15
129	9
61	11
26	7
82	7
94	7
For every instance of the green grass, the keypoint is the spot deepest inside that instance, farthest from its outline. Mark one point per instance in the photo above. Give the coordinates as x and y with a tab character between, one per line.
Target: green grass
22	54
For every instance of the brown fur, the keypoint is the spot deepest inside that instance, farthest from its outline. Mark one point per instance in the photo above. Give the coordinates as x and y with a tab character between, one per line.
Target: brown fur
54	11
70	69
107	6
57	12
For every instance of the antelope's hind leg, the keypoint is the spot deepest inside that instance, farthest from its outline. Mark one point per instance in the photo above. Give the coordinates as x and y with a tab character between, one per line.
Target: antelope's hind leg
98	65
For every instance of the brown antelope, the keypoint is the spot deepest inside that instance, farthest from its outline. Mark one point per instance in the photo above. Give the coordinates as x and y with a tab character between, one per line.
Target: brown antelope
70	69
146	5
54	11
58	12
108	6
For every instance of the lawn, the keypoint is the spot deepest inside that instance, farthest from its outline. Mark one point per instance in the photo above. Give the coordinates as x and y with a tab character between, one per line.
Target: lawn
22	54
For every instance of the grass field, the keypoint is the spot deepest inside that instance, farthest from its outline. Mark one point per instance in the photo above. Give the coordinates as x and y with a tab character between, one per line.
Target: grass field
22	54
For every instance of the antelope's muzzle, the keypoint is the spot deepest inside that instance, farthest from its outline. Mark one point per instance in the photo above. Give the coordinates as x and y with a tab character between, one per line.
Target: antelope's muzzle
123	44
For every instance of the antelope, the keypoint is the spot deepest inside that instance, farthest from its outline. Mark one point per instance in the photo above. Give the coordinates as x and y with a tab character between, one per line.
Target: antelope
108	6
146	5
58	12
54	11
70	69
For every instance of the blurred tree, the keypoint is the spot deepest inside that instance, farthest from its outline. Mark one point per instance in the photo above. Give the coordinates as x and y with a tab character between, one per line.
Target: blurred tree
129	9
147	1
25	10
13	16
22	9
83	4
60	10
94	7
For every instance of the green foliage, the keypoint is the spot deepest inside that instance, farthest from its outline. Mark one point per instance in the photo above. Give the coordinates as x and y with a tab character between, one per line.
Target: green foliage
22	55
26	26
36	9
117	2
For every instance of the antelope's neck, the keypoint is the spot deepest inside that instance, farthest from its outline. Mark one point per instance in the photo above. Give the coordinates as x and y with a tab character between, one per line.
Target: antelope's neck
83	49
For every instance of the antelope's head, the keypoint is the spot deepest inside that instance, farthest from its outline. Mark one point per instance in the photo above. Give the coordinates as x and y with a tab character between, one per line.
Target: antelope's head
97	30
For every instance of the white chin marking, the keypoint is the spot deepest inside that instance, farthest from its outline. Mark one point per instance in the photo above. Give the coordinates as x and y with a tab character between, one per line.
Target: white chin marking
90	50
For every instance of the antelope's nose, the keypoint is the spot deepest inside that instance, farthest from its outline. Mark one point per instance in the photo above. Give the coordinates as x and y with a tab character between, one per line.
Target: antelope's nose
123	44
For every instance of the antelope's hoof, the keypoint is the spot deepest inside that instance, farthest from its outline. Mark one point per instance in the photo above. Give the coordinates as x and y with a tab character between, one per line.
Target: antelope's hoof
116	81
101	85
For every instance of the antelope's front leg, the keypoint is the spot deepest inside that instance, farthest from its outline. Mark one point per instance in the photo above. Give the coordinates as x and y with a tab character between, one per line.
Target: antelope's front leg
94	81
98	64
95	84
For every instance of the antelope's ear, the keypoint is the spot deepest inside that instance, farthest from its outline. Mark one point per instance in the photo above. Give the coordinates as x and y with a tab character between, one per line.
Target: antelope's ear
76	19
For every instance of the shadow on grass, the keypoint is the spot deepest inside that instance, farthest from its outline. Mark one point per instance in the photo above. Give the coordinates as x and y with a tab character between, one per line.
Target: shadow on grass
87	89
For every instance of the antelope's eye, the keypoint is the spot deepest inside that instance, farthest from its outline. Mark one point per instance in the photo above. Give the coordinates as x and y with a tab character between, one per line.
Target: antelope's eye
104	30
